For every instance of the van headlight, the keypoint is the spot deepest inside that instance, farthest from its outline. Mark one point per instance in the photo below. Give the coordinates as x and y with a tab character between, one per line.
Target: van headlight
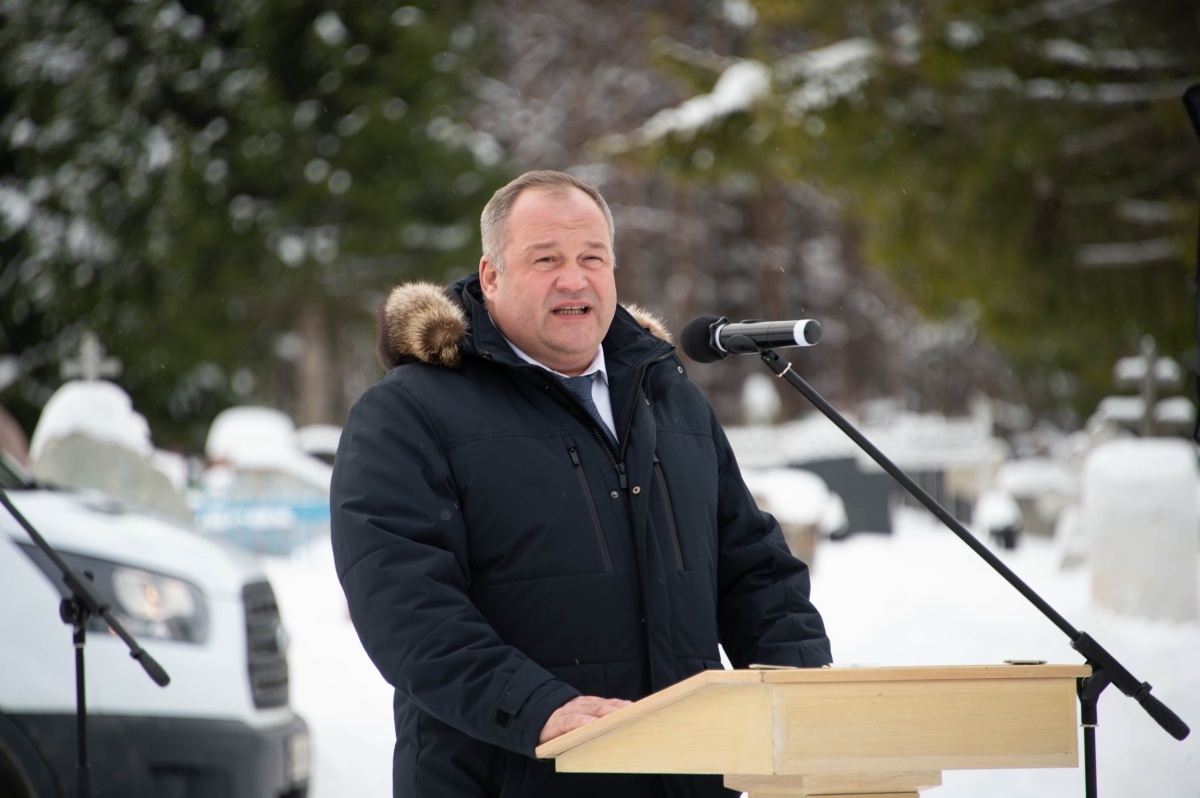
148	604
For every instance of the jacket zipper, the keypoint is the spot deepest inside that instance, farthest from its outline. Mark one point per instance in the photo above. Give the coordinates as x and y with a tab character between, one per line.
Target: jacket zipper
623	440
662	484
616	458
587	494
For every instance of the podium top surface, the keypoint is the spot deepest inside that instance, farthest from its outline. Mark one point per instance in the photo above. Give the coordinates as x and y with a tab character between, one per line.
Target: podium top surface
907	673
766	677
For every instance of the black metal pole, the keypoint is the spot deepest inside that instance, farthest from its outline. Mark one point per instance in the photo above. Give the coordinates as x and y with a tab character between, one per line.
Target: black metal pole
74	613
1089	690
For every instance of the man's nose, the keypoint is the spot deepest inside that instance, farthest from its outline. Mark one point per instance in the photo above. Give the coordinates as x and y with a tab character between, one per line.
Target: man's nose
572	277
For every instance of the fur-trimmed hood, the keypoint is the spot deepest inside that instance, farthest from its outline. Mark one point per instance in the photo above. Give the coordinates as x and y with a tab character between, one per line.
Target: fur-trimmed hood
422	322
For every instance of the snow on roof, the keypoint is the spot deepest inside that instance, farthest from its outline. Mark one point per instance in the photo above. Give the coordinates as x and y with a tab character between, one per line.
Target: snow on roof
792	495
96	409
918	442
813	437
263	439
1033	476
241	432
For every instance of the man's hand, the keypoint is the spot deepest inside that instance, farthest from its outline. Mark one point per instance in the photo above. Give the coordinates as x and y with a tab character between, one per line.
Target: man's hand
579	711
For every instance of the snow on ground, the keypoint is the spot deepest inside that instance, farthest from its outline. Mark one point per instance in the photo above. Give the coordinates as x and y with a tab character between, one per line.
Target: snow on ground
917	597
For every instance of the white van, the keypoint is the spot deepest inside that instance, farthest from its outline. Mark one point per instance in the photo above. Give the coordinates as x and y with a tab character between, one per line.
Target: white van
205	612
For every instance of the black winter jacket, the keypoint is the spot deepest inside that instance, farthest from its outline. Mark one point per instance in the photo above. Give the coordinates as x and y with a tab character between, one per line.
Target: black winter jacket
499	556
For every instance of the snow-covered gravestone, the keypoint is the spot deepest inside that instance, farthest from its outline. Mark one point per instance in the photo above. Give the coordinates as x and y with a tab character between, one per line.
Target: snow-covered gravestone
89	437
262	491
1140	515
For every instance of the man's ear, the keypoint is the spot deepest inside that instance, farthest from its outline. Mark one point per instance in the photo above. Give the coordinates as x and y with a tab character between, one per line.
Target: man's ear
488	275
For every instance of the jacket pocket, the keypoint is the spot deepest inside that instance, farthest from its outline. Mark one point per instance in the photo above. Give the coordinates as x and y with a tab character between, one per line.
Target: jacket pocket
591	503
662	485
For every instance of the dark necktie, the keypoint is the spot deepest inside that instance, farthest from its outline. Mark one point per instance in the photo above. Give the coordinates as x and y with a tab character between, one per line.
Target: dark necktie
581	386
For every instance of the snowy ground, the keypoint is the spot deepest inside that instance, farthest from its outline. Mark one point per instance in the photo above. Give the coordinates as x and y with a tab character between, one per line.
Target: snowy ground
918	597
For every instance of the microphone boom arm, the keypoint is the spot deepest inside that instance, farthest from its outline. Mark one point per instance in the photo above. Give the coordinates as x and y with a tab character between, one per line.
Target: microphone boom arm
1105	668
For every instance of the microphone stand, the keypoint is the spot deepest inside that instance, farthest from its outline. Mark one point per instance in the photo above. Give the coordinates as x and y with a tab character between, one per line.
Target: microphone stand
84	603
1106	669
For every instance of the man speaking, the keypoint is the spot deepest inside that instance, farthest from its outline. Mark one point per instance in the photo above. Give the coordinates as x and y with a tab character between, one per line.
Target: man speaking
537	518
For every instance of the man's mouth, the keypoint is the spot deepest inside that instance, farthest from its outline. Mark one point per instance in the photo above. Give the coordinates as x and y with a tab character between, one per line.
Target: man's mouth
579	310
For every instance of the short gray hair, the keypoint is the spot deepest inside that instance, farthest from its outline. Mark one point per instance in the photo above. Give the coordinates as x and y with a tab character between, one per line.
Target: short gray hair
493	222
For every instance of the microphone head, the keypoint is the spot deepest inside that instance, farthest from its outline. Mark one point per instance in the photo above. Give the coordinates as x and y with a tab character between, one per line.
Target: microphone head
696	340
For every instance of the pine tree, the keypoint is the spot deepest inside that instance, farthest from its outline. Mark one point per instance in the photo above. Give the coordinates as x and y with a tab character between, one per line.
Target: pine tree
1024	166
222	190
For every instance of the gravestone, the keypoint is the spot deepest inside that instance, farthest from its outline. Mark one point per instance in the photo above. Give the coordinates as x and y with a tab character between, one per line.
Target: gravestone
1139	513
89	437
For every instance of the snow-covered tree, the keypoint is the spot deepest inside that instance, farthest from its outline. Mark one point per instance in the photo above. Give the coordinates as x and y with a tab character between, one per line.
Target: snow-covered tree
1030	158
221	189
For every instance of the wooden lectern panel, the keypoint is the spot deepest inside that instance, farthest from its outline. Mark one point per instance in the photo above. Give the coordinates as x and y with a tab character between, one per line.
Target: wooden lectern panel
838	731
709	723
836	783
927	724
724	729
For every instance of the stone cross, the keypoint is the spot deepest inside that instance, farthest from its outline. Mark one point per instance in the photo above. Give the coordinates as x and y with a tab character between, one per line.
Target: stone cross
1149	374
91	364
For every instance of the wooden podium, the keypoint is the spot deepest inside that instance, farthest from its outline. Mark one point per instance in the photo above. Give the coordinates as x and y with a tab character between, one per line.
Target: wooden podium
866	732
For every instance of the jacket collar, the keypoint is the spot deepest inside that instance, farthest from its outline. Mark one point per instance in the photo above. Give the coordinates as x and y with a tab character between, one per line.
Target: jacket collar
425	323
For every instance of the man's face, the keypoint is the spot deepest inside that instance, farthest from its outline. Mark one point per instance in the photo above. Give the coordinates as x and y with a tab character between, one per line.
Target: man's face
557	295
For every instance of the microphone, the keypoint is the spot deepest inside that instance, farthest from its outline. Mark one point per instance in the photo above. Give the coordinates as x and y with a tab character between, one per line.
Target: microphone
706	339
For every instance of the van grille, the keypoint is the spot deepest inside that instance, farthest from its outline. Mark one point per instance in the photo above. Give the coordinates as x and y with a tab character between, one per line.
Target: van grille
266	646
